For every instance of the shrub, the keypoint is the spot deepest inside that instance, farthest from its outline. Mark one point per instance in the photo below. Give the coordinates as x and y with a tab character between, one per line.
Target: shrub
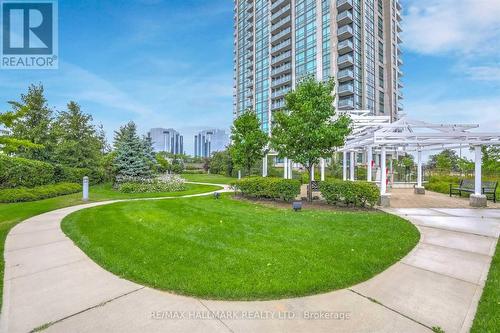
269	188
23	194
164	183
21	172
357	194
75	175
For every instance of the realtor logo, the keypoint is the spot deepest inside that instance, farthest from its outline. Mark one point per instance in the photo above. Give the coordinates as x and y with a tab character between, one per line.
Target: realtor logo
29	34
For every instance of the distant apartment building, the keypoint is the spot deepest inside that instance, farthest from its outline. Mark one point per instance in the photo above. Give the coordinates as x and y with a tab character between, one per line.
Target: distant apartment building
209	141
357	42
167	140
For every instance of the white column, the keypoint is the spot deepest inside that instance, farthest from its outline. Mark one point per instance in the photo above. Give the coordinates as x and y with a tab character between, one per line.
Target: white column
322	169
290	169
391	170
369	164
344	166
264	166
239	174
285	168
352	164
312	173
477	170
383	174
419	168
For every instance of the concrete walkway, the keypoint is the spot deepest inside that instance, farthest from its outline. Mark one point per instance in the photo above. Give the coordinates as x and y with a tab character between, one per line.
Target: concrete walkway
51	284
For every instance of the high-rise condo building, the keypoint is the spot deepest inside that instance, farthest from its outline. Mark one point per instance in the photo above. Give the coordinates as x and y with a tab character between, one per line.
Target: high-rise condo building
357	42
167	140
209	141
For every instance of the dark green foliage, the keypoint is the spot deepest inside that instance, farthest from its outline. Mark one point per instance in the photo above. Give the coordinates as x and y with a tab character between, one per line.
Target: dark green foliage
15	172
444	162
221	163
268	188
23	194
75	175
79	143
35	125
357	194
177	166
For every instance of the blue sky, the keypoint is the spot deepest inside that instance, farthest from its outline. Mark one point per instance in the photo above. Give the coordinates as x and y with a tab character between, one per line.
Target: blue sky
169	63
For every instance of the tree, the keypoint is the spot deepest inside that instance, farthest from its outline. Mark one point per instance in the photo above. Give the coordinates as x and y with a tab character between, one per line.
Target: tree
308	129
448	161
491	160
221	163
248	140
9	144
79	144
149	154
131	159
34	124
162	162
465	165
443	163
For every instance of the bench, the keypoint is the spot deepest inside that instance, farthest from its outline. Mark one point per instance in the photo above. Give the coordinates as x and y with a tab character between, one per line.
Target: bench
468	186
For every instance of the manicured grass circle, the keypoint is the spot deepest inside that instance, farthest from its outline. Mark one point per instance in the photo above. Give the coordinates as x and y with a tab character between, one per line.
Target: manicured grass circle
234	250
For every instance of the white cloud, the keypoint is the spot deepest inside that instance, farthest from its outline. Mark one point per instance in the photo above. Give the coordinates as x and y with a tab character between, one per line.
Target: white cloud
481	111
483	73
456	26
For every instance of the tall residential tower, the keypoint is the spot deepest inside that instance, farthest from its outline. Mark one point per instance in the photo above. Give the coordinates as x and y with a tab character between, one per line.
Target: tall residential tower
167	140
277	42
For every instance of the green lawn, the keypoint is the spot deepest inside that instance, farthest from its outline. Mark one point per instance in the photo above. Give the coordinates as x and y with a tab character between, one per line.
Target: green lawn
238	250
488	313
12	214
205	178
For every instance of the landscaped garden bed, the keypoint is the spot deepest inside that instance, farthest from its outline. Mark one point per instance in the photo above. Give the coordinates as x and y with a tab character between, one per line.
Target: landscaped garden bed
239	250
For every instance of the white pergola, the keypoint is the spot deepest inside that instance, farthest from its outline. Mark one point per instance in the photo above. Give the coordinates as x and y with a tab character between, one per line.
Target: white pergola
376	134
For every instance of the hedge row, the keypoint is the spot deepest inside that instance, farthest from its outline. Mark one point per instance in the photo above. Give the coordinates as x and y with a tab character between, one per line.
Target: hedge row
357	194
268	187
23	194
20	172
16	172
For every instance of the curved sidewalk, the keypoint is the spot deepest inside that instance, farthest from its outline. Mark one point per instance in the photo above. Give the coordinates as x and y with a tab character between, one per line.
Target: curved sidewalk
51	284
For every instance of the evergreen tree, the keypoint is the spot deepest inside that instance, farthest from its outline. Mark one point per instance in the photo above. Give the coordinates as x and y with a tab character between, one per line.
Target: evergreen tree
149	153
131	159
78	142
34	125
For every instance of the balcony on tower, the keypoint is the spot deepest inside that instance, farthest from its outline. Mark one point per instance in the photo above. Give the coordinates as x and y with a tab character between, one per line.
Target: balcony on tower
345	32
346	89
345	61
346	103
345	75
344	17
345	46
344	5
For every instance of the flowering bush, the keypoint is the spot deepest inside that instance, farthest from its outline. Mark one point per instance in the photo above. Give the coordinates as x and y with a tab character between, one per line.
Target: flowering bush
163	183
